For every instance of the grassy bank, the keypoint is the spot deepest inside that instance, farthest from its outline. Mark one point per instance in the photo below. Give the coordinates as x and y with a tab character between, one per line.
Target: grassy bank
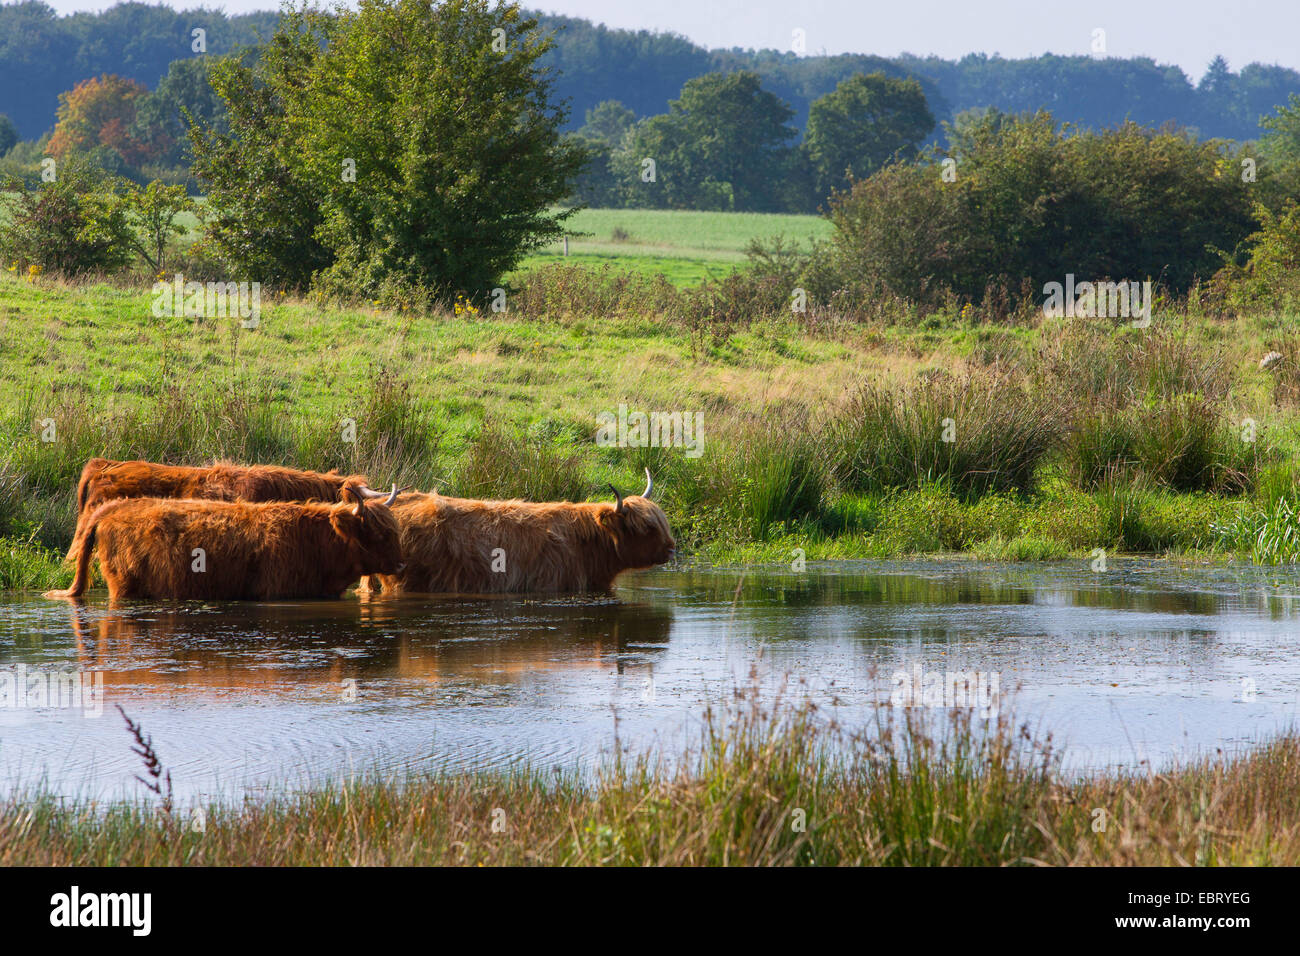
760	788
837	437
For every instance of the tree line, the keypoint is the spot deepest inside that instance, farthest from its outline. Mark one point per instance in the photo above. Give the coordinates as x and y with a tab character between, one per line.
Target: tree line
43	55
411	152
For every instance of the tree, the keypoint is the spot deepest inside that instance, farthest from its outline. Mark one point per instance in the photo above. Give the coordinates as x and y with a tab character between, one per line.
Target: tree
8	134
153	210
98	112
866	122
163	116
400	144
722	145
608	122
1280	151
262	212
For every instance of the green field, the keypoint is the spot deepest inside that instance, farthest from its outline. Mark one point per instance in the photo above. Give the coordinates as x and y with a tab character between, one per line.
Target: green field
686	246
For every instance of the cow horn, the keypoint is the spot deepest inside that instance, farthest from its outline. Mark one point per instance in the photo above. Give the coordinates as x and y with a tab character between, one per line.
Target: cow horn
370	492
392	496
649	484
617	497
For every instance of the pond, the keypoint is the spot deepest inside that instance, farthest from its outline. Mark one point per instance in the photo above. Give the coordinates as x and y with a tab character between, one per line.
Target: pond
1146	661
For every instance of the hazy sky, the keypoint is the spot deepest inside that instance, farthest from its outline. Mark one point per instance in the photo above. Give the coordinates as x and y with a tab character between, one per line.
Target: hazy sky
1186	32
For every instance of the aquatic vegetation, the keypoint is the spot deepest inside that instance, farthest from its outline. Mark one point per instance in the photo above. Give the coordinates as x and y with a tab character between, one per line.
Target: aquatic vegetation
1269	535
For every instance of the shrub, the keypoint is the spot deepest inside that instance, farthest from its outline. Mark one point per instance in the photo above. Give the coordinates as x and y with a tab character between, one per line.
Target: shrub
1268	280
1032	202
76	224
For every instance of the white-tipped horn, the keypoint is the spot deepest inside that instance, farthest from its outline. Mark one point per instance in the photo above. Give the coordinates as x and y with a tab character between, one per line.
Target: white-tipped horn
370	492
649	484
392	496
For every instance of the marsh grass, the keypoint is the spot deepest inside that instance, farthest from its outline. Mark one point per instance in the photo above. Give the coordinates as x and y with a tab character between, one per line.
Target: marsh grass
1020	548
1184	444
975	435
777	783
1269	535
1087	363
535	467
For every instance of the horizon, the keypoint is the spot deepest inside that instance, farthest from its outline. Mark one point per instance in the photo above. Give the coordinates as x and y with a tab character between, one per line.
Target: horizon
1187	34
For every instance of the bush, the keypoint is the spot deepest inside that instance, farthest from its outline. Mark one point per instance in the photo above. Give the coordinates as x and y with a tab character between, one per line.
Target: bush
1031	203
76	224
1270	278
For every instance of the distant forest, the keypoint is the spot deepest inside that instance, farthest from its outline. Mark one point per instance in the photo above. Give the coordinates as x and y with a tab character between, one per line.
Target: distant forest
43	55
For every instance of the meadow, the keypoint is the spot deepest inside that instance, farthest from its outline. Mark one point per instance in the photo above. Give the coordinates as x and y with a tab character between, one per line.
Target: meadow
686	246
821	439
827	434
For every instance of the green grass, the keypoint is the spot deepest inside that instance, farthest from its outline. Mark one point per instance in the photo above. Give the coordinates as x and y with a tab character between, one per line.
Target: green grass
686	246
681	271
703	233
820	437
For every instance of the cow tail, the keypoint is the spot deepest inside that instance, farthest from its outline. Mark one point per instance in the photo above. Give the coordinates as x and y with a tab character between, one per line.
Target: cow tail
83	489
82	551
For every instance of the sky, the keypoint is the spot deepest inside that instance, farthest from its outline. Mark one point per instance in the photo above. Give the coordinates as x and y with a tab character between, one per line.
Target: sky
1188	33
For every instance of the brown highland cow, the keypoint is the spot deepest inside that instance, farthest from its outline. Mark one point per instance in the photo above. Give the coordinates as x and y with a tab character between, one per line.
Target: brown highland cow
188	549
460	545
103	479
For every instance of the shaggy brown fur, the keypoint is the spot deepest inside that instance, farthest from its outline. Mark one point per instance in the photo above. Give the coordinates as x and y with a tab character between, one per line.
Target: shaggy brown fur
448	544
103	479
256	551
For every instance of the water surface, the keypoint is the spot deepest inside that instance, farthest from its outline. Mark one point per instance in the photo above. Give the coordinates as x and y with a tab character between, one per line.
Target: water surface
1145	662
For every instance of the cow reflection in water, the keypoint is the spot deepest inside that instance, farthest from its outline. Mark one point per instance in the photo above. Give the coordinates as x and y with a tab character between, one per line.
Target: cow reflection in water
283	648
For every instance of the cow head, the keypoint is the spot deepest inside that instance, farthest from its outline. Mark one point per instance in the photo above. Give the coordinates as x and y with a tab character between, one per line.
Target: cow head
367	523
641	528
